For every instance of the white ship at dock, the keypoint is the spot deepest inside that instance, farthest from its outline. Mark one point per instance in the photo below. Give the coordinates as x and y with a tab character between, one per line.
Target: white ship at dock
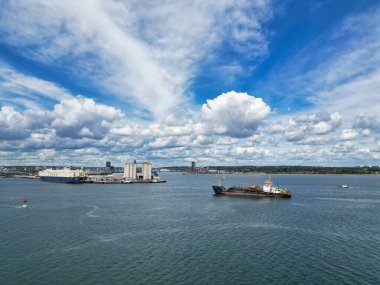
65	175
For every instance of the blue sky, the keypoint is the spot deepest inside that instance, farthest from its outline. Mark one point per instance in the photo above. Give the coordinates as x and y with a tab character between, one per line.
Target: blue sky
227	83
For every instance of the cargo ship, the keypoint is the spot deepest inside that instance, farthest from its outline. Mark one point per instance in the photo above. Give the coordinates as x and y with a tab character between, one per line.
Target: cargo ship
268	190
65	175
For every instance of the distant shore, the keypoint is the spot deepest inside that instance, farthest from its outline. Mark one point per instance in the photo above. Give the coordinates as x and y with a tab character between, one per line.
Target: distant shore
281	173
31	171
360	170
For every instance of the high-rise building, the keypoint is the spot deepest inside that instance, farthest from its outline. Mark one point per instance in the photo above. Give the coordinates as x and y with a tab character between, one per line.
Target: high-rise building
146	170
193	167
108	164
130	170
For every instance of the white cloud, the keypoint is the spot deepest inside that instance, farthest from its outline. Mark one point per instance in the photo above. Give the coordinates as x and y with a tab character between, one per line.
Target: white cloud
153	71
326	124
366	121
352	97
13	124
156	45
234	114
82	117
275	128
295	134
73	118
28	91
302	127
348	74
366	132
348	135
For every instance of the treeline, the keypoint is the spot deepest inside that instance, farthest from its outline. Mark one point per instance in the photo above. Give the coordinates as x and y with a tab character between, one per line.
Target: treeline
285	169
301	169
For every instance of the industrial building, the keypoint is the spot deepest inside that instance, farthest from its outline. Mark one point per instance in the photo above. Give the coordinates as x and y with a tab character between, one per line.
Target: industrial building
130	171
134	172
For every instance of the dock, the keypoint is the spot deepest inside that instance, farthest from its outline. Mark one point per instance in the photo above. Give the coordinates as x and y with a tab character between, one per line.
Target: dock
100	181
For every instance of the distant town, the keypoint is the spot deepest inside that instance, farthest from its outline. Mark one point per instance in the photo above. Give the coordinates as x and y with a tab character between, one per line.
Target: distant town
133	172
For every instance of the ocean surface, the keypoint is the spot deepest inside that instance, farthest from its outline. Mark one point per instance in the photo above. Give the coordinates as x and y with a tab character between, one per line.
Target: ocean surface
181	233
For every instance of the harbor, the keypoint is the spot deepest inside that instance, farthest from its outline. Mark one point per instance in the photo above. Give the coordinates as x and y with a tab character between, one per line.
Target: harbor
132	173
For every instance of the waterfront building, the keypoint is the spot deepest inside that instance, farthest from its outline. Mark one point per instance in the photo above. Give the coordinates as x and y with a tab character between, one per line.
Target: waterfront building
130	170
193	167
146	170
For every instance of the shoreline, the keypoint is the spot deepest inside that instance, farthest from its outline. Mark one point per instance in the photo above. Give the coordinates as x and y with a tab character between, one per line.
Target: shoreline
265	173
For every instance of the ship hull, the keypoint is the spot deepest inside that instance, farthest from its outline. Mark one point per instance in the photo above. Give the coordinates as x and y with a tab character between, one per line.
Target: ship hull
62	179
246	192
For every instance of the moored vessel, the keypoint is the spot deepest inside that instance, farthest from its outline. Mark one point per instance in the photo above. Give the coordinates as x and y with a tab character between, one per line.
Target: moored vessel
65	175
268	190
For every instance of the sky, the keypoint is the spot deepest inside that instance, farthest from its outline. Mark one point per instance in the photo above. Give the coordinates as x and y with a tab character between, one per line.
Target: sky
245	82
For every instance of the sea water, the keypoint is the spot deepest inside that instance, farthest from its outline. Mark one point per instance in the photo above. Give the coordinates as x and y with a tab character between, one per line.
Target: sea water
181	233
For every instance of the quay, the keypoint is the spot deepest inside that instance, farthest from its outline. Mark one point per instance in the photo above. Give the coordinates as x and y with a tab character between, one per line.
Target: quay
105	181
110	175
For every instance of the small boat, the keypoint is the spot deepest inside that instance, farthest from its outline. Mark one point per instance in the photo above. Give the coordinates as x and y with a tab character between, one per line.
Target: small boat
344	186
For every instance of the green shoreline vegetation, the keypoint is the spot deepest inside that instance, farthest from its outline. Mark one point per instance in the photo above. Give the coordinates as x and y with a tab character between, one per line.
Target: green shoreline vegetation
285	169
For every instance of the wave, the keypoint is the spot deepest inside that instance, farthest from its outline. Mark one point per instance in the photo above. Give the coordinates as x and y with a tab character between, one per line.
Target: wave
89	214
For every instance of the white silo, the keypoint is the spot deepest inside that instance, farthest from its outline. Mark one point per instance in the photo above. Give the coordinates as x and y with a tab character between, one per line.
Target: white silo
130	170
147	170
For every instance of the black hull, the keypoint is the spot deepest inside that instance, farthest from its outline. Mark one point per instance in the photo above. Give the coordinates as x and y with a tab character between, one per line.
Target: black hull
72	180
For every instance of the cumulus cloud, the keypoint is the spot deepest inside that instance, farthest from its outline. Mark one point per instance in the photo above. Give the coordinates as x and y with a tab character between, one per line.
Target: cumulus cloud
275	128
327	125
299	128
295	134
231	114
348	135
234	114
82	117
320	123
78	117
13	124
366	121
18	125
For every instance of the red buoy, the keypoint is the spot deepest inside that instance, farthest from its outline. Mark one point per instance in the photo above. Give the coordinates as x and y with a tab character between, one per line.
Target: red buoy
24	200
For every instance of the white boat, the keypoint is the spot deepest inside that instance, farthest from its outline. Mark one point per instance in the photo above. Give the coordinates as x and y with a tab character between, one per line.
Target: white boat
344	186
